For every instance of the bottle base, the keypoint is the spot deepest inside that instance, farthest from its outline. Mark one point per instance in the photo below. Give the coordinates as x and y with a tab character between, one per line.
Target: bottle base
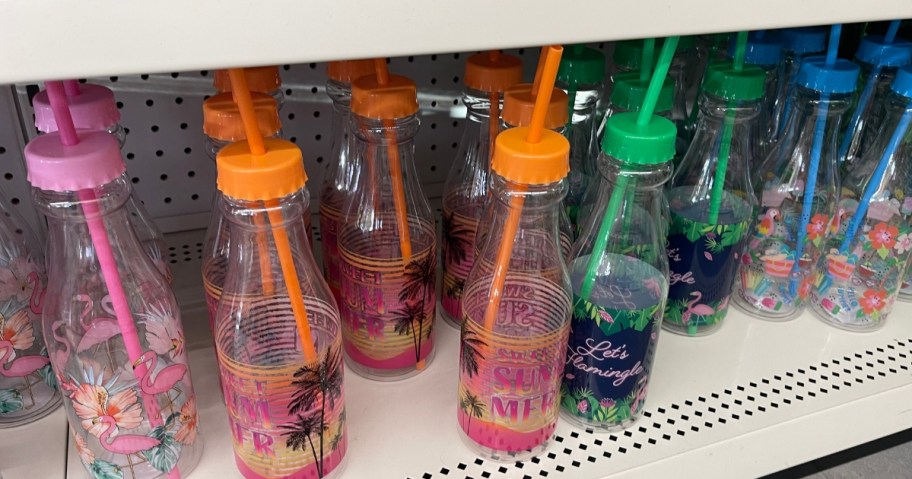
827	318
751	308
390	375
502	456
450	320
598	427
49	407
690	330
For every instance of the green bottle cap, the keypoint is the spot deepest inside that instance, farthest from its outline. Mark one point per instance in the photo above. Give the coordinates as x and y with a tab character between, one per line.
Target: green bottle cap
648	144
581	65
628	54
724	81
629	92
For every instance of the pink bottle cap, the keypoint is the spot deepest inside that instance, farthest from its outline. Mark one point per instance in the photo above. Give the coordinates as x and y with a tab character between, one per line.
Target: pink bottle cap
93	109
94	161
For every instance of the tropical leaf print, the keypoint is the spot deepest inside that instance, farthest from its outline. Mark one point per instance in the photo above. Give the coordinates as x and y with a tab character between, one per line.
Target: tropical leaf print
10	401
165	455
105	470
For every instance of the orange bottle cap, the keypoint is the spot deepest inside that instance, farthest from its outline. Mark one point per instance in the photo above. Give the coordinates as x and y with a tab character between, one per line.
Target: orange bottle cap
398	98
519	103
492	73
349	70
280	172
222	119
519	161
259	79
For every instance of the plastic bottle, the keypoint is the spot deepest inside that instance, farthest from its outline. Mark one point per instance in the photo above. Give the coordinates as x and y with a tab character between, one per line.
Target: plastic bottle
487	76
93	108
387	243
222	125
764	49
859	278
581	76
619	276
112	324
259	79
797	43
879	60
28	388
798	185
710	198
516	304
517	112
341	175
277	332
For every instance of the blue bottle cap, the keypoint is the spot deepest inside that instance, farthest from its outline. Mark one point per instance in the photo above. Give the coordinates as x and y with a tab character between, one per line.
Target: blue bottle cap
902	84
875	51
804	40
762	49
841	77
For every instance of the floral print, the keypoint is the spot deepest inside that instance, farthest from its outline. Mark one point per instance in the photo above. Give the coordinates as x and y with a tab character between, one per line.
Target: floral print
903	243
163	332
82	448
188	418
17	330
873	300
14	280
93	401
817	227
883	236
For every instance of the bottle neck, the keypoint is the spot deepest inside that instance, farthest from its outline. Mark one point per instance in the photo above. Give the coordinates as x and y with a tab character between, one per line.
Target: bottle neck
253	217
809	108
341	170
896	107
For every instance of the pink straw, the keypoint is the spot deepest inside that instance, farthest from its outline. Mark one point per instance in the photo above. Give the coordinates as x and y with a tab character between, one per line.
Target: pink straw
71	87
105	254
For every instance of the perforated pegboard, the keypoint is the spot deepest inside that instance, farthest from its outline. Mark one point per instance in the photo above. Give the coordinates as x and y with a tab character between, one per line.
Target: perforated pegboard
165	152
12	169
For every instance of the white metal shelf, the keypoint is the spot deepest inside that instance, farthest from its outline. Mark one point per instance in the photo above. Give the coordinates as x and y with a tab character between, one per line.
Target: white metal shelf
754	398
60	39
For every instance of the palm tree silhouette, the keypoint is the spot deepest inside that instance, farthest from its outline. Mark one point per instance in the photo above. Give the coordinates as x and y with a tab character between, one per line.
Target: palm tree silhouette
336	441
455	239
298	434
323	379
470	354
455	290
419	281
472	406
405	319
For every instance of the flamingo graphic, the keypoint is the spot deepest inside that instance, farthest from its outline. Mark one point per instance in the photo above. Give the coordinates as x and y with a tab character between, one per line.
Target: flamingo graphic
768	223
98	330
36	301
124	443
19	367
836	224
61	355
164	380
698	309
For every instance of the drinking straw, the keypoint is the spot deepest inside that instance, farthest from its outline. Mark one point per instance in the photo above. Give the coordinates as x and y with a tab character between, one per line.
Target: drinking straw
71	87
865	96
241	95
389	125
111	275
542	57
494	117
619	192
551	56
816	151
646	58
715	199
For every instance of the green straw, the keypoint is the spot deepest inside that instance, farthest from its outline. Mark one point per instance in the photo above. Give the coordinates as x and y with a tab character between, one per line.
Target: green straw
715	199
646	58
620	188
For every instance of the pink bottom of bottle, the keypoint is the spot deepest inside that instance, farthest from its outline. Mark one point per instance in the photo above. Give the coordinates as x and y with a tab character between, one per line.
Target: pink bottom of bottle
331	464
404	360
501	439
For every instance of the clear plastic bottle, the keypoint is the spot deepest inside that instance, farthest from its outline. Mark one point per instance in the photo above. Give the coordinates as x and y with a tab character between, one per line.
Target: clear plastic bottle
619	275
797	43
28	388
487	76
581	75
278	333
879	61
791	228
517	305
259	79
764	49
869	250
93	108
387	242
112	324
222	125
711	200
341	175
517	112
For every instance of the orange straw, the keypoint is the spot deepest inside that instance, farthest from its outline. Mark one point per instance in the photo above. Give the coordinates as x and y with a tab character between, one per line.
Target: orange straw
548	67
405	240
257	148
542	58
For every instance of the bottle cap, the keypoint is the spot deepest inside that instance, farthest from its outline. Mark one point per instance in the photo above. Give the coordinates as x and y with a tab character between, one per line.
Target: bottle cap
93	109
724	81
628	54
874	50
94	161
490	72
222	119
629	92
581	65
804	40
648	144
348	71
902	84
398	98
259	79
519	103
519	161
814	73
280	172
760	51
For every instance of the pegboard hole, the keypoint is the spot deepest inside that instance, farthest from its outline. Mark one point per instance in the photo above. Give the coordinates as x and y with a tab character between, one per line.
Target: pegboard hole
130	156
135	180
188	150
120	105
8	176
433	126
433	147
314	90
194	197
291	116
175	75
14	201
149	102
318	137
164	177
167	199
159	153
113	79
191	173
433	81
144	76
178	100
183	126
154	128
319	159
316	114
